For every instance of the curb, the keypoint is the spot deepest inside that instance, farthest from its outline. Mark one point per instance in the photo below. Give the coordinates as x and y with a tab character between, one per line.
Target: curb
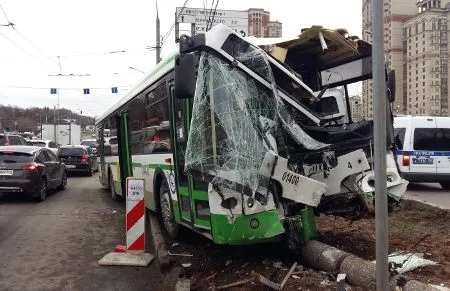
407	204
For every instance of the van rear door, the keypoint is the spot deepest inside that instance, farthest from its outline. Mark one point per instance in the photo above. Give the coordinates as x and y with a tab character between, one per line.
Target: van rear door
423	159
443	157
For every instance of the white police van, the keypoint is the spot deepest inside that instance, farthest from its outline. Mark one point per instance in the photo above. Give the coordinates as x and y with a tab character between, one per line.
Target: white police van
423	148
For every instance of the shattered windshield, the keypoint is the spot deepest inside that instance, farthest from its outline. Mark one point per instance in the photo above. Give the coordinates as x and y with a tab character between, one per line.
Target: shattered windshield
246	53
234	121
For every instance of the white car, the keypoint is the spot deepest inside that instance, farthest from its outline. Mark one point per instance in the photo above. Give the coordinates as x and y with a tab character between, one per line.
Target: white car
423	144
51	145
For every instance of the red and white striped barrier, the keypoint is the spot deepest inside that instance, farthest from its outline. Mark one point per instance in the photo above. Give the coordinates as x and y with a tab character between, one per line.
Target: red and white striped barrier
133	253
135	219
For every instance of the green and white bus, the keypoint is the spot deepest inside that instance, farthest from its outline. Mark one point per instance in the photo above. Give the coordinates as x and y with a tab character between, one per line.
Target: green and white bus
234	144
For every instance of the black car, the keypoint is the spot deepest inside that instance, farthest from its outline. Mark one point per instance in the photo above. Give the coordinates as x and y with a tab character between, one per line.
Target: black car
30	170
7	139
78	158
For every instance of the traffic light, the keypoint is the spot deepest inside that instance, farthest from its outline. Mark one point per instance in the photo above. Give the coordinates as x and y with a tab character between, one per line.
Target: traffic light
86	91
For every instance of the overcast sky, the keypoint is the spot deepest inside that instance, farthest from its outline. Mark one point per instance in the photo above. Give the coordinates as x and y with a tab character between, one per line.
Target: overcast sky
83	32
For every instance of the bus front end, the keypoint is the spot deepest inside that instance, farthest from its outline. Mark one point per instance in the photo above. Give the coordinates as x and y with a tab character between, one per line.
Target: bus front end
265	143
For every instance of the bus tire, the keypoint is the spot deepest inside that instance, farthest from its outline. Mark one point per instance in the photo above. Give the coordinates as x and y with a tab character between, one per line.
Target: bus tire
166	210
445	185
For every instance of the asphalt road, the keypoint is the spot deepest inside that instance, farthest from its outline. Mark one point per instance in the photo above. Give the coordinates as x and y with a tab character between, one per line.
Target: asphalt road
56	244
430	193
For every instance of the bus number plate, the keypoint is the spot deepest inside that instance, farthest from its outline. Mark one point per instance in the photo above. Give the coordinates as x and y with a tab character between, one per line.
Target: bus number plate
290	178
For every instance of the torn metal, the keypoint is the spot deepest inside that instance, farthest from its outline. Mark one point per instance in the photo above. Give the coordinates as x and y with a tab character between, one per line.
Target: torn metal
265	141
234	123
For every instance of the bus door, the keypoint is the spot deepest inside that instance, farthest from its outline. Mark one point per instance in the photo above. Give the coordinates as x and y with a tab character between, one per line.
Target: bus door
101	156
193	202
126	169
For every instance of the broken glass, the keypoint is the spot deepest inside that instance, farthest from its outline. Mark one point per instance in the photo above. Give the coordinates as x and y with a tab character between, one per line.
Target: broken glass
234	121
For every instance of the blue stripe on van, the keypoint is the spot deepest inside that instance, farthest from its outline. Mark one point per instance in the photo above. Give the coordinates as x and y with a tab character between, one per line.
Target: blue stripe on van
426	153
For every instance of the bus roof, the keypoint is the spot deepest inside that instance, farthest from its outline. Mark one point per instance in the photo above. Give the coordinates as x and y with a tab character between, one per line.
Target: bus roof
160	70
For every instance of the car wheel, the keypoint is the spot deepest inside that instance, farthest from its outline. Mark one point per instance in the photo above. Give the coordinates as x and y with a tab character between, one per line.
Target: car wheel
90	172
445	185
63	184
42	192
167	215
114	195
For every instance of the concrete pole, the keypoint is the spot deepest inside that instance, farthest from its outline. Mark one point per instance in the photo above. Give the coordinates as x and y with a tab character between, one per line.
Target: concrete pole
379	108
158	36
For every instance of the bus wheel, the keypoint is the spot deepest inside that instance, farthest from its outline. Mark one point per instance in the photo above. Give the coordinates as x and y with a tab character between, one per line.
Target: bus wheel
445	185
167	215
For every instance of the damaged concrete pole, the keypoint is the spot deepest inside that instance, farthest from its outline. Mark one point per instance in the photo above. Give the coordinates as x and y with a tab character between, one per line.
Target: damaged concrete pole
414	285
159	243
322	256
358	272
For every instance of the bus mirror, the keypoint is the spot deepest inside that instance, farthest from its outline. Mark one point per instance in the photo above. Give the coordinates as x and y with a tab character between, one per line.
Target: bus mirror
185	76
391	86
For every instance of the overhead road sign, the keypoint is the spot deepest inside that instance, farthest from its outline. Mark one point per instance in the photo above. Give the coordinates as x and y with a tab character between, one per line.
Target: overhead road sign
201	18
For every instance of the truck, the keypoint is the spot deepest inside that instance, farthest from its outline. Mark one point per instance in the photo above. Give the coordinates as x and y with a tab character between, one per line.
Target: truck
62	134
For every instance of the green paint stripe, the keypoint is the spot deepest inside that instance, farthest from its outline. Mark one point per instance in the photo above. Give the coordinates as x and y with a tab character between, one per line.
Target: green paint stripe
183	190
239	232
200	195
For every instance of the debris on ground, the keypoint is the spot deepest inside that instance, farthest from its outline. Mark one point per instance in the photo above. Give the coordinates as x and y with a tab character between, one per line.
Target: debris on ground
270	260
180	255
407	261
183	284
236	284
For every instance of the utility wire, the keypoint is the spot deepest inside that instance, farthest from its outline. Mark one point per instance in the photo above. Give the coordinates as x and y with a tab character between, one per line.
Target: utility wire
214	14
13	26
4	13
166	36
208	21
18	46
33	45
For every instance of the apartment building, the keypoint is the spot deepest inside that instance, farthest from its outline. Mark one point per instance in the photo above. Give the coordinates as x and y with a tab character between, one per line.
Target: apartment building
356	107
395	13
260	25
416	47
425	43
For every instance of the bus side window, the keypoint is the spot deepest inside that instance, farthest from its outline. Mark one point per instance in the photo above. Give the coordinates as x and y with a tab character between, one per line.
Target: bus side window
157	126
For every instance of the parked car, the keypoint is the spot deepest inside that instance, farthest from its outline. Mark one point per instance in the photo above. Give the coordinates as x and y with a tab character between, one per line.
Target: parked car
51	145
7	139
30	170
79	158
423	148
92	143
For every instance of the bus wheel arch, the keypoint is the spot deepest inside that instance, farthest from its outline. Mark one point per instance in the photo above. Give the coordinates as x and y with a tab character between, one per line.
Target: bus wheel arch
163	202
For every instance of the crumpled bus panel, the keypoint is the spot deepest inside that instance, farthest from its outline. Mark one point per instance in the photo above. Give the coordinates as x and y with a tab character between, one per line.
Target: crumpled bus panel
234	119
